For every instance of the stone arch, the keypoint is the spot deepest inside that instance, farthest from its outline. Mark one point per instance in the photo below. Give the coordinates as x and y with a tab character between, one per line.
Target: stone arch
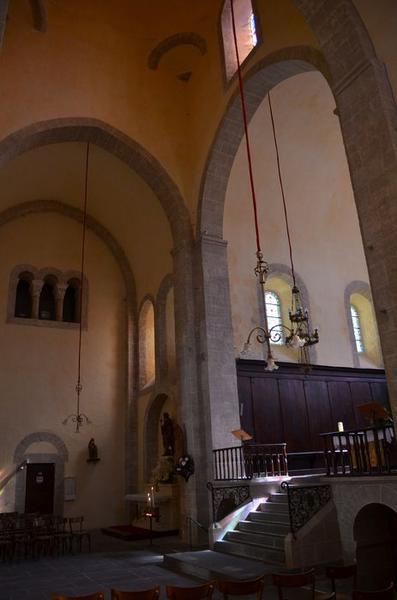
152	418
59	458
161	334
41	436
179	39
81	129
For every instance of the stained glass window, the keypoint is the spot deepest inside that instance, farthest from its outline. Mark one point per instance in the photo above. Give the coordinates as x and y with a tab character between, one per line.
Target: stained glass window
274	320
357	328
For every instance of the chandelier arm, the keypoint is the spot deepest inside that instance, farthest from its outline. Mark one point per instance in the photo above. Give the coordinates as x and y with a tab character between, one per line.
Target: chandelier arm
245	121
282	190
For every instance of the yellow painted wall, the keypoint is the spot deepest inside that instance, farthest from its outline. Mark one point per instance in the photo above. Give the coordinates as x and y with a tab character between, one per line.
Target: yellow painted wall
39	369
325	232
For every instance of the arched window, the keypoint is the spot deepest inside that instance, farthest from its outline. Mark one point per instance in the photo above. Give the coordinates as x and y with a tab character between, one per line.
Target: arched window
274	318
71	312
147	363
47	303
246	30
358	338
23	297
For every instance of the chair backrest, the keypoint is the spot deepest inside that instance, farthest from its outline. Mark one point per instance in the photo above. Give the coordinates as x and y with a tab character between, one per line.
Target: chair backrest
190	593
96	596
335	572
242	588
294	580
76	524
385	594
152	594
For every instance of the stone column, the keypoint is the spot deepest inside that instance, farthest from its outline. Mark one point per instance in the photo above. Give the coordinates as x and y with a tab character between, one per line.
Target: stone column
60	292
217	358
37	285
194	501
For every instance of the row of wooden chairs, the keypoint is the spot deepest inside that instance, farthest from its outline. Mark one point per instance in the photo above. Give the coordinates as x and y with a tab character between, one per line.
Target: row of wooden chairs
33	535
243	588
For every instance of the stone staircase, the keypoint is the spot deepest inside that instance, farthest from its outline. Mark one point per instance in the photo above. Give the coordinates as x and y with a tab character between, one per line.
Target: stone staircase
261	536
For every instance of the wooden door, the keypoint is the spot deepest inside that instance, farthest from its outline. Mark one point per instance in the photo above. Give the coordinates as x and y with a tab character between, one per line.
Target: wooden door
40	485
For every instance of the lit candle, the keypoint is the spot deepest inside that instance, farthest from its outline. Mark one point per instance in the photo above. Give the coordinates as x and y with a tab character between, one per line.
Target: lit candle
340	426
148	499
152	496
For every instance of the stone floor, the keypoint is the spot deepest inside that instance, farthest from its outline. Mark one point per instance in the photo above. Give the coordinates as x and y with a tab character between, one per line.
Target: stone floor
112	563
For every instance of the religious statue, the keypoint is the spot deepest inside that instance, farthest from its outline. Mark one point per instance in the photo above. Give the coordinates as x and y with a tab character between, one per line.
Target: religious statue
92	450
167	431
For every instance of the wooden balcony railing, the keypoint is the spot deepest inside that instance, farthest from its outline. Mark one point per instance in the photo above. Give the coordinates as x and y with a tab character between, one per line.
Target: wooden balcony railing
367	451
250	461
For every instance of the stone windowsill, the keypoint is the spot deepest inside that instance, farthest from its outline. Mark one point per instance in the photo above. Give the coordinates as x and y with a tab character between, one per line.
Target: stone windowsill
42	323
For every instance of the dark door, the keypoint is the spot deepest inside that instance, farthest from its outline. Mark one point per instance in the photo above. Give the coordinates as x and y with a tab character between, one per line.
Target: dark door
40	478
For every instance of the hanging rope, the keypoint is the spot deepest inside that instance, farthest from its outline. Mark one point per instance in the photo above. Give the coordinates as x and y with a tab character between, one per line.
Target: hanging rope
79	386
245	120
282	191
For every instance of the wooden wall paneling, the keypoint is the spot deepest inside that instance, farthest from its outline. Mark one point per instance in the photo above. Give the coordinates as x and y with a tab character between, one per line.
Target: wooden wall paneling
245	400
341	404
319	412
379	393
361	394
266	408
294	413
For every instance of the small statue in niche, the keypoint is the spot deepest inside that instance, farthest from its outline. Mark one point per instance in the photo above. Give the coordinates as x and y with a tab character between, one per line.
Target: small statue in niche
92	450
167	431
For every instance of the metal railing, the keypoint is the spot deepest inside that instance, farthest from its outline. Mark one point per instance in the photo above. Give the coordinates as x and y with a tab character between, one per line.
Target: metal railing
189	522
367	451
250	461
304	502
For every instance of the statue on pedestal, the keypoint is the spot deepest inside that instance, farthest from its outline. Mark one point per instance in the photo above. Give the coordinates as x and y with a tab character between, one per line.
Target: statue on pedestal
92	450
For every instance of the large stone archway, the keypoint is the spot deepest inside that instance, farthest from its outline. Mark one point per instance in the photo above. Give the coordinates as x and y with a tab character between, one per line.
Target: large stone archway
76	129
368	119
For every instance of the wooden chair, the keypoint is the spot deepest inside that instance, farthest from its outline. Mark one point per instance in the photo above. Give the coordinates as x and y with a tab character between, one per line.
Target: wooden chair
152	594
335	572
241	588
294	580
386	594
78	533
190	593
96	596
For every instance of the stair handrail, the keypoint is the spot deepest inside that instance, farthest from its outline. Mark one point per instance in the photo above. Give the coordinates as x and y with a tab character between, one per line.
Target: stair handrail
299	508
239	494
191	520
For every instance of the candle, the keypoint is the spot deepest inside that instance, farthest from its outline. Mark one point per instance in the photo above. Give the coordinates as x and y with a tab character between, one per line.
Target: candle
340	426
152	496
148	499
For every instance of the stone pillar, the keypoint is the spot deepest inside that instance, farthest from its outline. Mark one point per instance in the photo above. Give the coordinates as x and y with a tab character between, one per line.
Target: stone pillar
37	285
217	358
194	501
60	292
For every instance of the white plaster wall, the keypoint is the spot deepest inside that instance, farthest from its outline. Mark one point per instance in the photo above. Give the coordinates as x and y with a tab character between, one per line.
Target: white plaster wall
39	367
324	226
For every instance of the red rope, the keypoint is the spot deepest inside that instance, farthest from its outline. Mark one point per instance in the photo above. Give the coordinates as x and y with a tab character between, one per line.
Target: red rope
245	119
78	387
282	191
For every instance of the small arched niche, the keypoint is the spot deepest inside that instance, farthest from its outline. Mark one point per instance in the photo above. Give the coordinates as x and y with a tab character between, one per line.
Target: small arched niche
147	360
23	296
47	302
71	302
375	533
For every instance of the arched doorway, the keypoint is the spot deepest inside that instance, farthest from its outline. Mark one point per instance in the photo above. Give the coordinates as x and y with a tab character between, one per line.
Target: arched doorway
375	533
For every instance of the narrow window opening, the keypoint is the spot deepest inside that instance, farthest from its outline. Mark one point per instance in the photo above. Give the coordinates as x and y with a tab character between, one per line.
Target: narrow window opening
273	314
246	30
47	304
71	312
23	298
358	338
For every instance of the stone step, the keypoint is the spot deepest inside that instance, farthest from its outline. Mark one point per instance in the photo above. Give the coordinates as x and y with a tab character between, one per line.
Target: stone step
269	517
259	527
274	507
207	564
273	556
279	497
260	539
